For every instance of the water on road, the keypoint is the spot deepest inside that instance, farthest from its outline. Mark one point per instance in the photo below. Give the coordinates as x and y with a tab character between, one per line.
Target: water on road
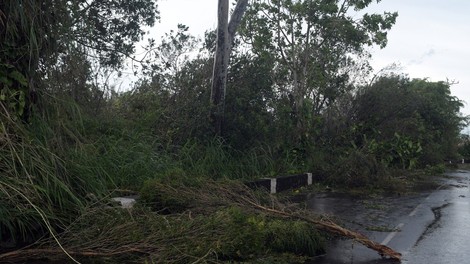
428	227
447	238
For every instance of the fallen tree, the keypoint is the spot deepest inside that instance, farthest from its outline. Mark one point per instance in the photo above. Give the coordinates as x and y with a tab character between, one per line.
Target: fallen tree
332	227
322	223
198	229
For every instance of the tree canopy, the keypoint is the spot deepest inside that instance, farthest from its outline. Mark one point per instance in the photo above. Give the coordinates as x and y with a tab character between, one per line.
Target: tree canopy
314	45
40	35
422	117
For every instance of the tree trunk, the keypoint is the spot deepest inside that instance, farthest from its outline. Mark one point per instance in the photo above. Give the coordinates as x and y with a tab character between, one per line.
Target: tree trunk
225	35
219	76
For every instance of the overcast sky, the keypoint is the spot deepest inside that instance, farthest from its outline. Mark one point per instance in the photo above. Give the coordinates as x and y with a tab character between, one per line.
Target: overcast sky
431	38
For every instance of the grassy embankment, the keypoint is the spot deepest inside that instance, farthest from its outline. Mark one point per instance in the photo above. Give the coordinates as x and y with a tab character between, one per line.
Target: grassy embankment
61	169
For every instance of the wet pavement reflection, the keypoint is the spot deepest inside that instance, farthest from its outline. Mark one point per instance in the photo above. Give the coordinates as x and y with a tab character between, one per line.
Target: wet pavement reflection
447	239
429	227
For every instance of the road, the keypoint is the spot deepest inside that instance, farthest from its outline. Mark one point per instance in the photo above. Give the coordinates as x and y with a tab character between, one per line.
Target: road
428	227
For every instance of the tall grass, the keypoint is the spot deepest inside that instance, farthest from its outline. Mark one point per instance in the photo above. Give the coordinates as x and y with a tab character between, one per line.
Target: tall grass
216	160
36	187
62	158
125	160
32	171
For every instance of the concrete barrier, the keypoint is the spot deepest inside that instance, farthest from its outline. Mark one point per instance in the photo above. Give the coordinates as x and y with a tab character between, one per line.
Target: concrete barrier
264	183
460	161
279	184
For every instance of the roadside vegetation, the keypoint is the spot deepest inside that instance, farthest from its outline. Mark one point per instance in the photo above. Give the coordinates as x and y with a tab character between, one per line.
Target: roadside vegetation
69	140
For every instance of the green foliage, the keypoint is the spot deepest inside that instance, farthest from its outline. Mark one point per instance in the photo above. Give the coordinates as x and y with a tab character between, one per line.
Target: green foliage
13	90
226	223
38	193
216	160
250	93
440	113
127	162
254	234
152	195
407	123
229	234
292	106
398	151
173	107
38	36
245	231
314	48
407	151
294	236
358	169
169	56
435	170
51	27
464	146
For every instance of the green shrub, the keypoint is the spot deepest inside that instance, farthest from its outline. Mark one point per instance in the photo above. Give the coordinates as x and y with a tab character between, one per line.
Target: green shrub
436	169
243	234
358	169
249	235
295	237
154	195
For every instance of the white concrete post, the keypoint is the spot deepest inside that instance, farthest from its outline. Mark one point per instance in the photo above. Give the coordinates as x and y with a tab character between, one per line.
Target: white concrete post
273	185
309	178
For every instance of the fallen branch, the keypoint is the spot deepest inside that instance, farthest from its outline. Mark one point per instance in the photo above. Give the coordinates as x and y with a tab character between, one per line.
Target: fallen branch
115	234
243	196
334	228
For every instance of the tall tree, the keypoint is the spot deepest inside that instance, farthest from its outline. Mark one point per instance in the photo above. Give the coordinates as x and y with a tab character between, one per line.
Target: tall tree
315	44
404	121
37	35
225	34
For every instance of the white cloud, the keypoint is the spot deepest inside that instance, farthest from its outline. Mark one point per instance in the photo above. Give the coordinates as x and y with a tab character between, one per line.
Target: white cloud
422	58
430	38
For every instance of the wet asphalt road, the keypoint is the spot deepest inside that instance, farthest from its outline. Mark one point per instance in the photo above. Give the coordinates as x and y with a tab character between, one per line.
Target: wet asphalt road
428	227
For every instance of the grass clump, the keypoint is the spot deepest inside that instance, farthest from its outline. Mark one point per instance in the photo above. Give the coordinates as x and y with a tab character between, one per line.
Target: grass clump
255	235
154	196
38	194
295	236
358	169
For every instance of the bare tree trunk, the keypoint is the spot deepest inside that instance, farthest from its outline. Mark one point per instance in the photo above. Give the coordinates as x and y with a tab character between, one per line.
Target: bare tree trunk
219	76
225	35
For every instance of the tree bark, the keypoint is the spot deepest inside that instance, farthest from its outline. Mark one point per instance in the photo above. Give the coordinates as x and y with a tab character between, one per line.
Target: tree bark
219	76
225	35
236	18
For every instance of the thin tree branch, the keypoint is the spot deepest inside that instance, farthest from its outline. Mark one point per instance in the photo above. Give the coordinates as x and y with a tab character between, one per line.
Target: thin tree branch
236	18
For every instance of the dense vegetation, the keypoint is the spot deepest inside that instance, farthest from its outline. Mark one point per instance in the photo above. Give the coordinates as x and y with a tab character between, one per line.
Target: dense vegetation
299	98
